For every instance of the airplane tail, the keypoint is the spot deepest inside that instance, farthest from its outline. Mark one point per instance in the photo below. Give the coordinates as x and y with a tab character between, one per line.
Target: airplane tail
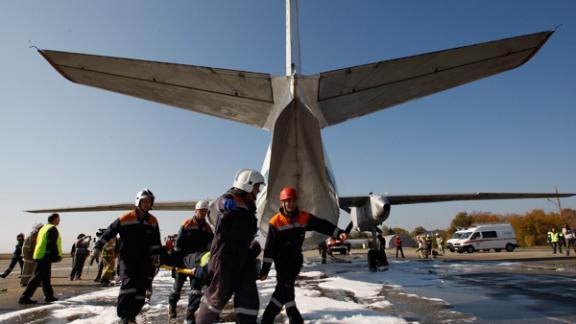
356	91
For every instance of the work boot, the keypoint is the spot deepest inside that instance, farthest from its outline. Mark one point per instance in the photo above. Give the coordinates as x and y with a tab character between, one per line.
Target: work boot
26	301
172	311
49	300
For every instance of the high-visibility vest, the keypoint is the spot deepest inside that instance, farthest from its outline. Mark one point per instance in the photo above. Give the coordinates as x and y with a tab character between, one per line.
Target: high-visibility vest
42	242
554	237
204	259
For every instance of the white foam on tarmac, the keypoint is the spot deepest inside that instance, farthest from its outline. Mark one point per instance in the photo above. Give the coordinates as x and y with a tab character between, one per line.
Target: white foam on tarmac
100	306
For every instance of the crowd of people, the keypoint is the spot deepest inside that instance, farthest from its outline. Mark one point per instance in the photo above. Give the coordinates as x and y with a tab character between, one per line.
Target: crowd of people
219	261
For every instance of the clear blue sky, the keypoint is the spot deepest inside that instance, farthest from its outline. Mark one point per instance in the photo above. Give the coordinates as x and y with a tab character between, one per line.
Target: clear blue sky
65	144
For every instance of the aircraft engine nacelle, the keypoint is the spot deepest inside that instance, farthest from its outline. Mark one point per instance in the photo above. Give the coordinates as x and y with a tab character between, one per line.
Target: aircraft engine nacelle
373	213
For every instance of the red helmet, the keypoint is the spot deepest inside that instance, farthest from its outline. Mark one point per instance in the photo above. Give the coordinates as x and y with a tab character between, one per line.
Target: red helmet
287	193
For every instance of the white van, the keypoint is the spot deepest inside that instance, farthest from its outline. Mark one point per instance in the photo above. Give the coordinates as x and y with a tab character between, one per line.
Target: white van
483	237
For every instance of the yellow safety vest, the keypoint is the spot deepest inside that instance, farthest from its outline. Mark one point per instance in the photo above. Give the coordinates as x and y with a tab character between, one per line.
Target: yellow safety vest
204	259
42	242
554	237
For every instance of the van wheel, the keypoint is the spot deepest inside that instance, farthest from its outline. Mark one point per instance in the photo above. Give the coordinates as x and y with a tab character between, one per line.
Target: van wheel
452	249
497	250
470	249
509	247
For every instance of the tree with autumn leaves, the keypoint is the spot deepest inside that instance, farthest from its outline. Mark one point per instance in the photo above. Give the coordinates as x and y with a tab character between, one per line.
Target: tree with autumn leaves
530	228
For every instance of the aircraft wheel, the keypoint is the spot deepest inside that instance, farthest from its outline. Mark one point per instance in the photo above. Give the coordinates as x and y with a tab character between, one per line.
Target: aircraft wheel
509	247
470	249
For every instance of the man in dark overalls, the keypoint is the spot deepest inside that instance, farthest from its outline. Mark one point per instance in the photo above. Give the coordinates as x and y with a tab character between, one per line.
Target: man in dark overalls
231	266
140	249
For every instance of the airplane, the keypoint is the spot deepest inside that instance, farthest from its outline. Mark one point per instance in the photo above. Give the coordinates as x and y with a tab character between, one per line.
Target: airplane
296	107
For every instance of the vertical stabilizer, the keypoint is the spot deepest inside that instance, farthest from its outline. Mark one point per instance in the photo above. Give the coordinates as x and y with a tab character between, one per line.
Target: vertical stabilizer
293	59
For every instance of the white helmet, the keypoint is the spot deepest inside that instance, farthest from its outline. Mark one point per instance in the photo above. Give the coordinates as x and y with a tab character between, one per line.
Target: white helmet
245	179
144	193
202	204
37	226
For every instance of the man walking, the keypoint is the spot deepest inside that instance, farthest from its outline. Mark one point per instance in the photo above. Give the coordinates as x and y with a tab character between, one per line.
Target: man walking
286	233
48	249
140	248
16	256
555	240
231	266
79	253
398	244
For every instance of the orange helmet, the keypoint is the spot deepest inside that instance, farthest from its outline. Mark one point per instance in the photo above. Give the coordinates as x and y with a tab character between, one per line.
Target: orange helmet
287	193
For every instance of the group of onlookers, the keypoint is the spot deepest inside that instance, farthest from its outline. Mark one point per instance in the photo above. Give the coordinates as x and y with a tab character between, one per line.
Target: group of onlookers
565	238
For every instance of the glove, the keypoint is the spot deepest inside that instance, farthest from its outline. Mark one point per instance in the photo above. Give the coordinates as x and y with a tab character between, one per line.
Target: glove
96	254
156	260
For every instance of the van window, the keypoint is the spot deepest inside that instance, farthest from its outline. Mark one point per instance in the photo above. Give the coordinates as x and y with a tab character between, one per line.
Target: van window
475	236
489	234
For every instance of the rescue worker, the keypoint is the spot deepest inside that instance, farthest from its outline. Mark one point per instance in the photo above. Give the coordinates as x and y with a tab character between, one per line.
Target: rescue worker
428	240
93	257
377	259
28	255
231	266
440	243
48	249
555	240
140	247
398	244
286	233
79	253
16	256
422	254
195	235
108	261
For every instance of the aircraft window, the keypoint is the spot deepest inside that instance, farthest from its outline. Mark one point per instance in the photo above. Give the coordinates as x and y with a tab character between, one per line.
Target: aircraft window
489	234
475	236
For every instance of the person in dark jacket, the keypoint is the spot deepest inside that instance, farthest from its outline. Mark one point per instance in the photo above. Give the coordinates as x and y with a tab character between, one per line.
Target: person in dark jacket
16	257
79	253
140	248
286	233
231	266
195	236
48	249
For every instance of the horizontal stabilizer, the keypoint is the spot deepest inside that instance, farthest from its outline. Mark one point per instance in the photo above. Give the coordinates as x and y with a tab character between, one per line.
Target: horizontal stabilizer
353	92
357	201
244	97
169	205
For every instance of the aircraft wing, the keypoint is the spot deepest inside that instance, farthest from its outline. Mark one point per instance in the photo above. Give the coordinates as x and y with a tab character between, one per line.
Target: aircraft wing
357	201
356	91
159	205
244	97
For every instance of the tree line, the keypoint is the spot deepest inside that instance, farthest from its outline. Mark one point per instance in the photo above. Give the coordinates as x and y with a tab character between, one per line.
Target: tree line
531	227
